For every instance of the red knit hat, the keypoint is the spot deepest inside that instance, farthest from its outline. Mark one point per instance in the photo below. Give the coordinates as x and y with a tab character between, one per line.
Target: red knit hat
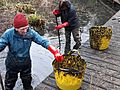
20	20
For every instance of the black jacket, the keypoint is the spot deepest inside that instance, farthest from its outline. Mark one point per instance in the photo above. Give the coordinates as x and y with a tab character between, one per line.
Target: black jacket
69	15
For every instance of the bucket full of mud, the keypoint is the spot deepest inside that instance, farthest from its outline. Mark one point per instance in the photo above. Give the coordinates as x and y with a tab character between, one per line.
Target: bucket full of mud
69	73
100	37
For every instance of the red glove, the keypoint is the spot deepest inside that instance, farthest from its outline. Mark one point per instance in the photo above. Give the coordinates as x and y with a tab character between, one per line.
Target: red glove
61	25
56	12
56	54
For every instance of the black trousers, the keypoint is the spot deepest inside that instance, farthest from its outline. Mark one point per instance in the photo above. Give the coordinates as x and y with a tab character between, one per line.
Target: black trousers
13	67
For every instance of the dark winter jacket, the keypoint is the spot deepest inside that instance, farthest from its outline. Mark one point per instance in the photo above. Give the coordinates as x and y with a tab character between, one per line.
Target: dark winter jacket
19	46
69	15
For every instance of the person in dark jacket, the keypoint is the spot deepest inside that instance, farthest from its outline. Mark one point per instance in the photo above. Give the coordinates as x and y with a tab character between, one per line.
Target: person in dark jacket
18	39
70	22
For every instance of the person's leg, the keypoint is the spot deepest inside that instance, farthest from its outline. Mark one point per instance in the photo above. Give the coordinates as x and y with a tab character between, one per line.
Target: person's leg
68	41
25	75
11	72
77	38
10	79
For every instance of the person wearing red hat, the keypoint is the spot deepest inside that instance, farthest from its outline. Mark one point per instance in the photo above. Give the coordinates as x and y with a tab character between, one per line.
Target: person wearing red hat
19	39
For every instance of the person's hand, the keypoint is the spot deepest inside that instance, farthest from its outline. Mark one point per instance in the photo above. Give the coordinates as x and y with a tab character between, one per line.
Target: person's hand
61	25
58	56
56	12
55	52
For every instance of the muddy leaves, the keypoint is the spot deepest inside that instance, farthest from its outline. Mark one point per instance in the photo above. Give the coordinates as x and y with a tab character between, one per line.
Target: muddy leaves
72	64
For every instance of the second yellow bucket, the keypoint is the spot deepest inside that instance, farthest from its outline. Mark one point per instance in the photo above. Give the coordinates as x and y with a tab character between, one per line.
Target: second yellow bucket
100	37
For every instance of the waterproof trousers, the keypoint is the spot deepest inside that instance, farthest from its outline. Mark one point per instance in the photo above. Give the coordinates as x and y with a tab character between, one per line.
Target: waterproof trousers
76	37
13	67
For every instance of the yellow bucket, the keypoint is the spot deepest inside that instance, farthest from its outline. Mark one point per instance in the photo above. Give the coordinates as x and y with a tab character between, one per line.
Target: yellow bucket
67	78
100	37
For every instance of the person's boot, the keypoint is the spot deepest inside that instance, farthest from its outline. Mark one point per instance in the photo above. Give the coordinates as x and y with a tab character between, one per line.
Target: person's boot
10	80
77	46
66	51
28	88
26	80
6	88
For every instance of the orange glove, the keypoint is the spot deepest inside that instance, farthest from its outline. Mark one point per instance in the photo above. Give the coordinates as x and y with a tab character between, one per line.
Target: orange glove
56	12
56	54
61	25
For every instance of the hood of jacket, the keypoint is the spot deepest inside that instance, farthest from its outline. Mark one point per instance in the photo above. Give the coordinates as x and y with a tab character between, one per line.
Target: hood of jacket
67	3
